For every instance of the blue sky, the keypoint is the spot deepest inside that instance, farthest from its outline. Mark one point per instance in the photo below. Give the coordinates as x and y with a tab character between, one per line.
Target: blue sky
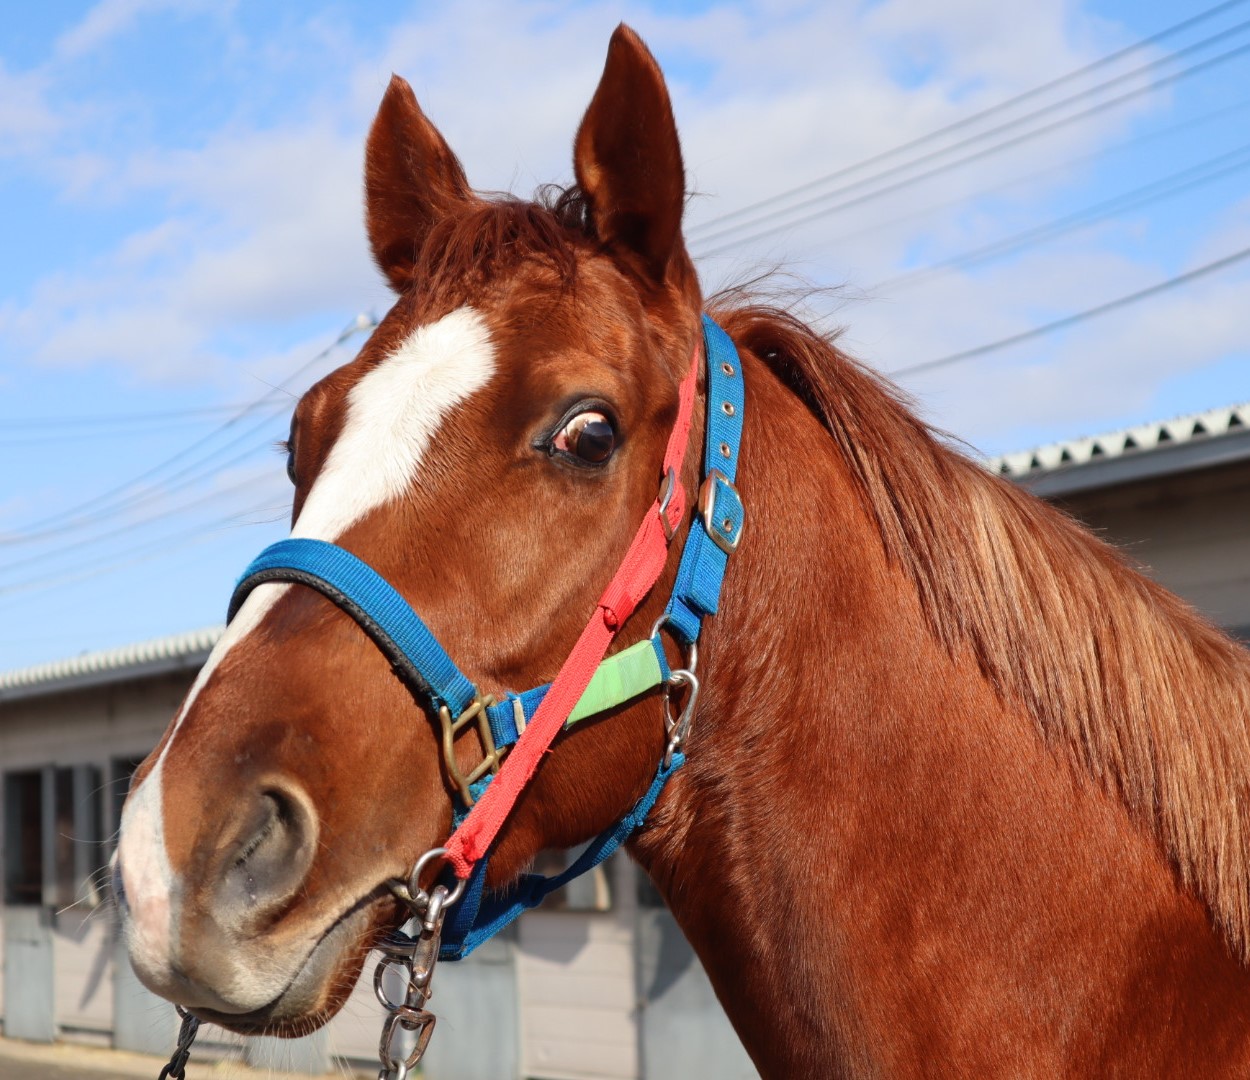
182	234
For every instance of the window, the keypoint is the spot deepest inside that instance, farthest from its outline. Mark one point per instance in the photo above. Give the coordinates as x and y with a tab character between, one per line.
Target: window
77	842
23	837
648	895
53	849
121	776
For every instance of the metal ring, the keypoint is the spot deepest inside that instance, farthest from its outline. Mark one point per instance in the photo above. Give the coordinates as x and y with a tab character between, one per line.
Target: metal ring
691	650
414	882
379	973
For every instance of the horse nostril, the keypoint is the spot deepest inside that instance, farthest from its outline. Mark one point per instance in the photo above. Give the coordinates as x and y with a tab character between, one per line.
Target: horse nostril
269	864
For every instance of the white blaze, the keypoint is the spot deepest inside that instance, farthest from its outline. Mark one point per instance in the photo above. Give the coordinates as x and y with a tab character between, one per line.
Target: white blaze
393	413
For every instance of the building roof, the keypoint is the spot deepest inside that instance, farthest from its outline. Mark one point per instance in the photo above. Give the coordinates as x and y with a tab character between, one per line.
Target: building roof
1199	440
160	656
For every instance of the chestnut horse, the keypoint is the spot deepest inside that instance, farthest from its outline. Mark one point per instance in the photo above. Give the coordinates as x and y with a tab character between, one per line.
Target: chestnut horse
966	794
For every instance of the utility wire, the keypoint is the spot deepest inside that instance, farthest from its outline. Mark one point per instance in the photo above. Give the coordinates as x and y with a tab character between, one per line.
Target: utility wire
130	526
40	528
958	125
1073	320
98	435
1165	188
1033	175
111	419
192	473
977	156
143	553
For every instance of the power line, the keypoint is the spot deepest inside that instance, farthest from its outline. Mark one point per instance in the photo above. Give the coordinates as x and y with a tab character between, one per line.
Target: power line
197	470
1073	320
110	419
1027	95
44	555
66	518
1165	188
102	434
141	553
1030	177
977	156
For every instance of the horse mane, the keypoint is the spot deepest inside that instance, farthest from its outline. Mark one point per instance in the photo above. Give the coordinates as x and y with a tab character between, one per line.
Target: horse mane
1144	693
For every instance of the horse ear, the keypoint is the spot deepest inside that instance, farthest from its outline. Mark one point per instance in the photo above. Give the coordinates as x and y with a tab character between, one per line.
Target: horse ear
412	180
627	159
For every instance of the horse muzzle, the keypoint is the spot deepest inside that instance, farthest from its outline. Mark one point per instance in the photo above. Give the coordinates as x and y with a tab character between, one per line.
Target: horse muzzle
225	935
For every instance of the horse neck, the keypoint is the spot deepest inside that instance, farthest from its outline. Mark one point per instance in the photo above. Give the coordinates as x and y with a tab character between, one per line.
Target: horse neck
880	864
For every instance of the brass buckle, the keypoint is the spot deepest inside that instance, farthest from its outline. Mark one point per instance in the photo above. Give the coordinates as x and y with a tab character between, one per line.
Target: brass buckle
451	728
724	538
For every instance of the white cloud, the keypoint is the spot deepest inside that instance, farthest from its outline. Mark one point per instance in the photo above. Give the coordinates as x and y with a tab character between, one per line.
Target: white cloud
1112	367
27	120
109	19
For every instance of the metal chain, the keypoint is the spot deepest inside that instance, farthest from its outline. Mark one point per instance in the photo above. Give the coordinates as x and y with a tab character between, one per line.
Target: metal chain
177	1067
414	958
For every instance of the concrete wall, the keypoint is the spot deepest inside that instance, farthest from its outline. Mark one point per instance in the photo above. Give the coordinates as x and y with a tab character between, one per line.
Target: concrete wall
1190	532
685	1033
576	988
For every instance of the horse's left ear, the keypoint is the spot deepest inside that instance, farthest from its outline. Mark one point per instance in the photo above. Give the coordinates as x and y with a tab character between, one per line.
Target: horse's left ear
628	160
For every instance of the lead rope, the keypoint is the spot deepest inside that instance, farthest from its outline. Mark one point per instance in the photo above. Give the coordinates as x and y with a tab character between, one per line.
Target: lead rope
177	1067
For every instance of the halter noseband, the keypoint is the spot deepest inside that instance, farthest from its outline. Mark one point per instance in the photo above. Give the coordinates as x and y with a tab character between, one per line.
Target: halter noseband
522	725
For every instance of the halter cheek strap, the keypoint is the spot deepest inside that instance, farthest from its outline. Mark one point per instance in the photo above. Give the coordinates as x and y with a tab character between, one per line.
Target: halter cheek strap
587	683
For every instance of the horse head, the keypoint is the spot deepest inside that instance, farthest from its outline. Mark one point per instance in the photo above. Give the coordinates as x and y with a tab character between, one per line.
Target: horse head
490	453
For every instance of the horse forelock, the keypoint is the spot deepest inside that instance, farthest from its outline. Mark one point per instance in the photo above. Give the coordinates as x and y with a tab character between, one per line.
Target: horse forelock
1146	696
461	253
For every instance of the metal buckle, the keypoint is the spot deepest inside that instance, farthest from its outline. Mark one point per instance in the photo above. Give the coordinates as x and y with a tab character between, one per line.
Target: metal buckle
724	538
666	496
451	728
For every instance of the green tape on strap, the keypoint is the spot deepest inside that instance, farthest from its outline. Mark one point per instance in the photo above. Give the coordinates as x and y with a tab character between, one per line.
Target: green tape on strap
619	678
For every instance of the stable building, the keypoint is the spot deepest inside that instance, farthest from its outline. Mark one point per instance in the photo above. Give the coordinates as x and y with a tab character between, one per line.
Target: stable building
1174	494
599	984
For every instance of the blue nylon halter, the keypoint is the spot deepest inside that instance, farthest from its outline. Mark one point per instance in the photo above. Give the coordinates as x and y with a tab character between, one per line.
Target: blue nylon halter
415	653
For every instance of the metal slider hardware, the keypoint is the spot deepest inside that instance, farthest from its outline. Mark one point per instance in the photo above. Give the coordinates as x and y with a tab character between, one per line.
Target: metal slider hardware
666	496
476	714
722	528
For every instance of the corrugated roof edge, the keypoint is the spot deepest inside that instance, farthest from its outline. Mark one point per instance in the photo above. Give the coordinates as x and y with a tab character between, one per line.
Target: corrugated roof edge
145	659
1072	453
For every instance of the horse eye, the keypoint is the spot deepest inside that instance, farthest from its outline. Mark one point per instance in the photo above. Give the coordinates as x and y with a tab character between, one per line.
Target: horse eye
588	436
290	466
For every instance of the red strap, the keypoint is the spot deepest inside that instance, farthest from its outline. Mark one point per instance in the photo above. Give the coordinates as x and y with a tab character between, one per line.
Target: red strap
638	572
